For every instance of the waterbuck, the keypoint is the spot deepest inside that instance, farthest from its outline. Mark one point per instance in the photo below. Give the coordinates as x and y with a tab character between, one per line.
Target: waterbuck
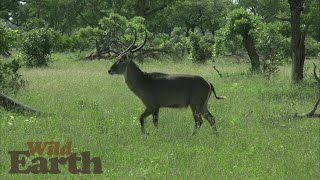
157	90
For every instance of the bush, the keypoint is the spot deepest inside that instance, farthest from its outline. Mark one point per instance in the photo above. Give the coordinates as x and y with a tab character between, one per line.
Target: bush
240	21
227	43
312	47
7	38
73	42
158	45
113	34
272	46
37	46
11	81
179	42
202	48
33	23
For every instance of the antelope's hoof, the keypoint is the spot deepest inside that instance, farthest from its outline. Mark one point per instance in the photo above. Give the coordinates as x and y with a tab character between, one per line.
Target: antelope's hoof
144	132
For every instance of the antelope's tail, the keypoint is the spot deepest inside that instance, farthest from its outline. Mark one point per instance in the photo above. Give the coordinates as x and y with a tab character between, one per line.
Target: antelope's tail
214	92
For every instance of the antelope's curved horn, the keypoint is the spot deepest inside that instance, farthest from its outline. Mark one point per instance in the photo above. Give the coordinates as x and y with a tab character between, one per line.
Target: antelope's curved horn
144	42
131	46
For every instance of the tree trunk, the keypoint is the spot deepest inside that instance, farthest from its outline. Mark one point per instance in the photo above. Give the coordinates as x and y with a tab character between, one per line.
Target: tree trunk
297	41
5	53
188	31
249	44
140	8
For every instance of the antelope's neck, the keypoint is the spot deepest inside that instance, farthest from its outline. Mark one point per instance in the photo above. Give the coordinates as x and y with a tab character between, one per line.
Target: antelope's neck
134	78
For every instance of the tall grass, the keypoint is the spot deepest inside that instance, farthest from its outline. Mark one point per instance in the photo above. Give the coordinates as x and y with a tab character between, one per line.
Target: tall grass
98	113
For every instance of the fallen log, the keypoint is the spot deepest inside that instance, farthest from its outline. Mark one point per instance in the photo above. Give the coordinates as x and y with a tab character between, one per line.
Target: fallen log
312	113
12	105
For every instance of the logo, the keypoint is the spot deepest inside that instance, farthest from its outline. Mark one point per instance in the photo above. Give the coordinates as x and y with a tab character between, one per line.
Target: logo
49	157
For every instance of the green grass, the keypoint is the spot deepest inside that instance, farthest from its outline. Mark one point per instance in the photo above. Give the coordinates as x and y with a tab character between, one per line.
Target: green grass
98	113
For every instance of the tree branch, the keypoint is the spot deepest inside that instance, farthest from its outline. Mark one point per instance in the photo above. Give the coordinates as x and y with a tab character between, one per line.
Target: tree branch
283	19
155	10
315	73
214	67
85	20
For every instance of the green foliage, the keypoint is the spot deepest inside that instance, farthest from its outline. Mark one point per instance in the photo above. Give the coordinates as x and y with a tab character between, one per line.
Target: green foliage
205	15
7	38
176	45
73	42
37	46
113	22
202	47
227	44
114	33
160	41
312	47
240	21
11	80
311	18
179	42
33	23
273	47
161	16
267	9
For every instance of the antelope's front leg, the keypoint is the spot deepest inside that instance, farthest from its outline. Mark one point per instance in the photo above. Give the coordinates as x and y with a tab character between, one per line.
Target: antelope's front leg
148	111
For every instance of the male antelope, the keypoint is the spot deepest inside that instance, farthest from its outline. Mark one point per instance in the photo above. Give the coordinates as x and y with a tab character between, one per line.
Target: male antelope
158	90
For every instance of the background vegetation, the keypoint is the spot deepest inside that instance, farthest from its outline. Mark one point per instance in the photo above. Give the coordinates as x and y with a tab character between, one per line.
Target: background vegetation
54	56
268	32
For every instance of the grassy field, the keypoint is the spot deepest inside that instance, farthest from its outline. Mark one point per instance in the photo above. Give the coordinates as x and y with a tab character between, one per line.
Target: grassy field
98	113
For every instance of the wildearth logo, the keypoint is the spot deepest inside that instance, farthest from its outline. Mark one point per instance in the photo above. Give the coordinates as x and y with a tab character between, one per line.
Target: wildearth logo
21	163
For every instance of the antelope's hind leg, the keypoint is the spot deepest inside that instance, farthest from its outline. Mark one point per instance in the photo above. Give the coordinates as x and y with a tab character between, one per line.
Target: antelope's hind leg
155	117
208	116
197	119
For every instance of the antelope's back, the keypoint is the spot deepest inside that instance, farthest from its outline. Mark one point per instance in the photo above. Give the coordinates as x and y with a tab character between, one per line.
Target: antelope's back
173	90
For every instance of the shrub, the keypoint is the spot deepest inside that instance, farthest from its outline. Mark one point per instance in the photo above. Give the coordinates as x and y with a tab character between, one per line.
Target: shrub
227	44
240	21
7	38
179	42
113	34
33	23
73	42
202	47
243	23
11	81
37	46
312	47
272	46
